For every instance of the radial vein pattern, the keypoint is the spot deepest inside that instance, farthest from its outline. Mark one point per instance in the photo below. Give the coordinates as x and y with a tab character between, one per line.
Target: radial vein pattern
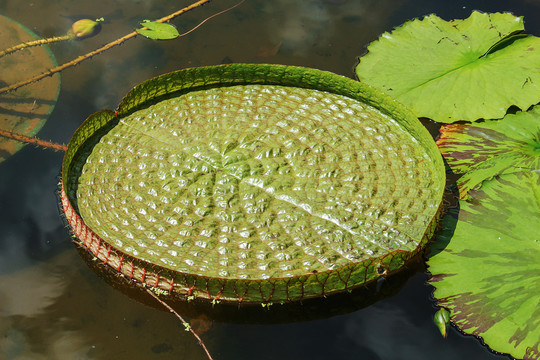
253	182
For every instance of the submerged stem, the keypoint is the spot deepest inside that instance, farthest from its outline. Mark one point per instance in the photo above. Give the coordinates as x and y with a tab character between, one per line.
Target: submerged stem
98	51
33	140
33	43
186	324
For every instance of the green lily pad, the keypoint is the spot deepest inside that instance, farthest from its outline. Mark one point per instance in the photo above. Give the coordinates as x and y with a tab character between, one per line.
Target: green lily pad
253	183
158	31
25	110
488	275
485	150
468	69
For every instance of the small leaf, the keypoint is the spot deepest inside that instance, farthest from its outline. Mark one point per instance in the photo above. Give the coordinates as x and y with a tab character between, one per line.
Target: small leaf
158	31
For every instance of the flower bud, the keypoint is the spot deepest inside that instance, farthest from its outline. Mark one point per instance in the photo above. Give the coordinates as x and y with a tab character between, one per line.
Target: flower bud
441	319
84	28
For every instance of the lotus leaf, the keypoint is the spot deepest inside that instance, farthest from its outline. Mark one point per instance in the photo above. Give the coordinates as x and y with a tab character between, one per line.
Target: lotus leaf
488	275
468	69
491	148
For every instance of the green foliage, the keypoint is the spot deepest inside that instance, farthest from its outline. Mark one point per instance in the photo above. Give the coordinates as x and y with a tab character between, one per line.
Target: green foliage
158	31
485	262
485	150
441	320
485	267
208	155
468	69
487	272
250	189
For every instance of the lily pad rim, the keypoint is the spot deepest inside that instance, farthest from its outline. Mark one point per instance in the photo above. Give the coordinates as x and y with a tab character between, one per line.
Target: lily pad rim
108	251
365	47
183	81
351	88
447	300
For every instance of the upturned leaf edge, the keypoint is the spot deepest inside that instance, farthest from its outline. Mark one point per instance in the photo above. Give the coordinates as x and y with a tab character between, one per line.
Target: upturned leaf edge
239	290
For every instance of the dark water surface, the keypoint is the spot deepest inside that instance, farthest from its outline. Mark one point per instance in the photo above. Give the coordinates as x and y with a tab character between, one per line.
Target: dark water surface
52	306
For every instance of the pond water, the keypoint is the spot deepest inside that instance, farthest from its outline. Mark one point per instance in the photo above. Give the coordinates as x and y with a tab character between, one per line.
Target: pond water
53	306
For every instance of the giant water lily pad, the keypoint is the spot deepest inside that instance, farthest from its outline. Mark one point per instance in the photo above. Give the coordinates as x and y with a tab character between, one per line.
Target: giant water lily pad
25	110
448	71
485	150
487	272
253	183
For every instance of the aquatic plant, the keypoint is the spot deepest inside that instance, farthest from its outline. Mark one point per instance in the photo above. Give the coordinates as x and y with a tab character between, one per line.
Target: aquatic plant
485	264
158	31
80	29
485	260
459	70
91	54
253	183
24	112
224	156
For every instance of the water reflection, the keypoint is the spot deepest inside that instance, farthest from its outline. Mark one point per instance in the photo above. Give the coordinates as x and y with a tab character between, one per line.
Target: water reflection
306	310
58	310
28	298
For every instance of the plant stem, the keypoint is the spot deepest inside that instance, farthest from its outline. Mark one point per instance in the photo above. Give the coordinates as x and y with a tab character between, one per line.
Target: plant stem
34	43
186	324
208	18
98	51
33	140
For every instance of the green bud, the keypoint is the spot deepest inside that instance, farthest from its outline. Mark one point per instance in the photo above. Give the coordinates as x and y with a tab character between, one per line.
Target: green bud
84	28
442	319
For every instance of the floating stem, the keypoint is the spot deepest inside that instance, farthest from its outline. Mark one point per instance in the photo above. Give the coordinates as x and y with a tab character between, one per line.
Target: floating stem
98	51
33	140
80	29
33	43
